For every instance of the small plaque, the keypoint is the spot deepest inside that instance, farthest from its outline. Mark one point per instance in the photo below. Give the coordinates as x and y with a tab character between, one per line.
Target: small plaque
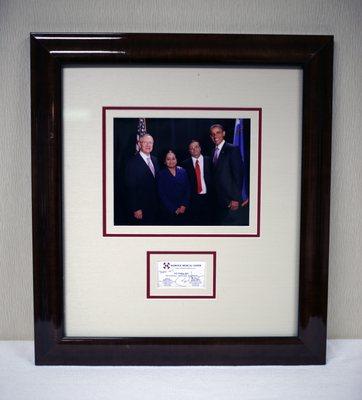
181	274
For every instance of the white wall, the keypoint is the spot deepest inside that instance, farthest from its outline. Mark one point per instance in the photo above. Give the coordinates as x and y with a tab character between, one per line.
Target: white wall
342	19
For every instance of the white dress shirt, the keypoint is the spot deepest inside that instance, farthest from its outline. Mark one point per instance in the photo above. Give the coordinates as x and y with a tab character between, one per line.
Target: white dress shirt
148	160
220	146
217	151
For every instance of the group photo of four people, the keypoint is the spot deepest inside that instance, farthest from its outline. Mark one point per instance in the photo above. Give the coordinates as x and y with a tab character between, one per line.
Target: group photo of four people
202	189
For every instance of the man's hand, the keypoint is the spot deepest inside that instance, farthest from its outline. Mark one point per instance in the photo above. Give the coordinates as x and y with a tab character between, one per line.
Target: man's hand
180	210
233	205
245	203
138	214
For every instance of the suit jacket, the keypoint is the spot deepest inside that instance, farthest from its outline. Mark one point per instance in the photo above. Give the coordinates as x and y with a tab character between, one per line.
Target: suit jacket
141	188
189	167
228	175
174	191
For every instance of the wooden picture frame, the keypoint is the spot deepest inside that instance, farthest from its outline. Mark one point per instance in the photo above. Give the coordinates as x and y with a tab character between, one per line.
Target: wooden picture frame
49	54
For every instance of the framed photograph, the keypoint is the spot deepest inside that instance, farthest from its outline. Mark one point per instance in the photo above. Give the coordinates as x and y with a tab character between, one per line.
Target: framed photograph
180	198
188	140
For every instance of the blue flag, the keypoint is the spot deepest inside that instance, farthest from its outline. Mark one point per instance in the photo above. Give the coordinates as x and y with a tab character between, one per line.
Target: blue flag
239	141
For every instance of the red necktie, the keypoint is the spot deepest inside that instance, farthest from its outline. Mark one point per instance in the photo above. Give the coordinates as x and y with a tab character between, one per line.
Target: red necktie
198	177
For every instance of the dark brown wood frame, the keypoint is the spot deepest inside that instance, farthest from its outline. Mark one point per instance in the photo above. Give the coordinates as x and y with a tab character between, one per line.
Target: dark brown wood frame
49	53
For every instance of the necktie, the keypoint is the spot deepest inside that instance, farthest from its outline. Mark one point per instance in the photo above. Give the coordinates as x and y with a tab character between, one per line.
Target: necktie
216	155
198	177
150	166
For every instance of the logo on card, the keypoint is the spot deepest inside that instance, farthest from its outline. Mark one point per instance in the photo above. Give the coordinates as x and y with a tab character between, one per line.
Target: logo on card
166	265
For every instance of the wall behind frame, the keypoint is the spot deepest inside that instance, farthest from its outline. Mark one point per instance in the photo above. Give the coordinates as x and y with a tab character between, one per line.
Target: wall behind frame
20	17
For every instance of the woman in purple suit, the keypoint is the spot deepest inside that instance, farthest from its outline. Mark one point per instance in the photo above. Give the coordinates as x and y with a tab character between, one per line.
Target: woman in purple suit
174	191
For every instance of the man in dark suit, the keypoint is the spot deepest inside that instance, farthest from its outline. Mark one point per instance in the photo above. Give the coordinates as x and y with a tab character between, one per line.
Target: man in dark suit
141	184
198	168
227	178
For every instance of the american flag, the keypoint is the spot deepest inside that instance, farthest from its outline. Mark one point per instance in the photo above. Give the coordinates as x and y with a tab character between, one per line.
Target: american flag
141	130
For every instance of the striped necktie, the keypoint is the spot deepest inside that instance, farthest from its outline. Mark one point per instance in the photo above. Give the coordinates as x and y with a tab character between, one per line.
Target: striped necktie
216	155
150	165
